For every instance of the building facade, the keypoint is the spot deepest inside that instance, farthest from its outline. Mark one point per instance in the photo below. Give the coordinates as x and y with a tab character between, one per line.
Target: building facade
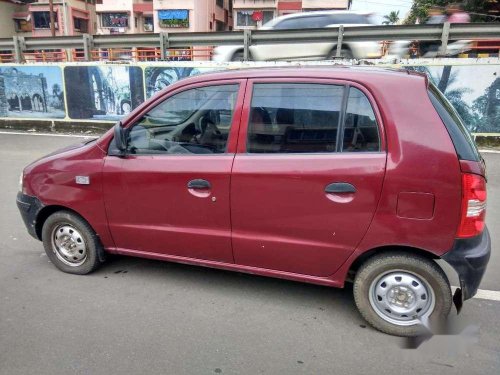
32	18
124	16
192	15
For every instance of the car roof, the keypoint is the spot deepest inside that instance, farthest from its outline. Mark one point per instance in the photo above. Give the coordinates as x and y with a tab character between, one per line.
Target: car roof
318	13
358	73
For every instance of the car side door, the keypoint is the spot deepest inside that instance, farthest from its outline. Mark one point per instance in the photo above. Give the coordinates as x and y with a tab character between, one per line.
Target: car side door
307	176
169	194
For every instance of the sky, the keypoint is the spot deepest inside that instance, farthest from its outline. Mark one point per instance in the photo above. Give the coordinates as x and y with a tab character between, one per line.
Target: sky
383	7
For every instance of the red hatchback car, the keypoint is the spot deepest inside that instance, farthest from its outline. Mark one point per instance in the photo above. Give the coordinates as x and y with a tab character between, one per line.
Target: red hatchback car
321	175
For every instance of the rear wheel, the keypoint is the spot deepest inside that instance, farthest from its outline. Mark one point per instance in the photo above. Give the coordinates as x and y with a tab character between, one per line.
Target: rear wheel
70	243
398	293
238	56
345	53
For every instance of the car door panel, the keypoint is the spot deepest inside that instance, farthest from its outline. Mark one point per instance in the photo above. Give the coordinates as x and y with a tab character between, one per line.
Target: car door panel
154	203
300	212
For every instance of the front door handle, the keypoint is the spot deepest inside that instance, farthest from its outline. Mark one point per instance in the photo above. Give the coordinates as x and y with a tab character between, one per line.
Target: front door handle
340	188
199	184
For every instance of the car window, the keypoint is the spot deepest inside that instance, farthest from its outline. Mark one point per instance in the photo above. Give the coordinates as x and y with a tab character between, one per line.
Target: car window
348	19
309	22
195	121
360	125
294	118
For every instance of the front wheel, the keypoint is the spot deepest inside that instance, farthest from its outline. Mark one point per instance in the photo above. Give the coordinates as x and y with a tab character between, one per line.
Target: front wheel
70	243
398	293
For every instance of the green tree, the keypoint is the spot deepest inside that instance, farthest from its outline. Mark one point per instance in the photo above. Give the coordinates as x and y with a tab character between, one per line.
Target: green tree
420	8
391	18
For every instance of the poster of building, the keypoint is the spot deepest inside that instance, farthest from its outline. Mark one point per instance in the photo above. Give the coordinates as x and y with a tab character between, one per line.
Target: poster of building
31	92
104	92
159	77
474	91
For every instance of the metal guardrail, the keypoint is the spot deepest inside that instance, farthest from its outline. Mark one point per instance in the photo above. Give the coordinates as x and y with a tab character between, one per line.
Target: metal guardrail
247	38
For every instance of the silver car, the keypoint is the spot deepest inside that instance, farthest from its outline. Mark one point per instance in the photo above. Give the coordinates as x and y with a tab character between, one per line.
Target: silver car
307	51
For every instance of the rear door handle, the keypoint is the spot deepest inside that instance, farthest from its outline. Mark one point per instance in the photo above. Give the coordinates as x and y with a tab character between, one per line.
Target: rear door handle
340	188
199	184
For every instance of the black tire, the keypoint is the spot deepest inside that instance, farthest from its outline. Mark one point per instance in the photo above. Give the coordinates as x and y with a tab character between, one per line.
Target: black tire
345	53
425	269
93	249
238	56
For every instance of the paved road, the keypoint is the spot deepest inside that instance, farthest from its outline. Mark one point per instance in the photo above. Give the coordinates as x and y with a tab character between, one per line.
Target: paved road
149	317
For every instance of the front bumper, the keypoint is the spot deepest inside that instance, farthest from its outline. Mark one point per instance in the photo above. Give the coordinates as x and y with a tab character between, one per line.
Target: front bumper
29	207
469	257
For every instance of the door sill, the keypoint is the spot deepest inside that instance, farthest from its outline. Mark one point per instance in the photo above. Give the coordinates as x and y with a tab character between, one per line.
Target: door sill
234	267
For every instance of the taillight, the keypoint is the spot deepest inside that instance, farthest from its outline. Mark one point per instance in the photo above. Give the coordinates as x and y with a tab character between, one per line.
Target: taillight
473	205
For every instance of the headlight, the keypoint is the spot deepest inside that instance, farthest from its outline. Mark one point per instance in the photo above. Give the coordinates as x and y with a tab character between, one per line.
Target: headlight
21	178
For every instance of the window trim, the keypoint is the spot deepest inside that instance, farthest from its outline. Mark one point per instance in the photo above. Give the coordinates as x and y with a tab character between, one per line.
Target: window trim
245	116
175	89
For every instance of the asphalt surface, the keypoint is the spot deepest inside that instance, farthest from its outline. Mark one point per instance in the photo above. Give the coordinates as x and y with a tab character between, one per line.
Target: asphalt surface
136	316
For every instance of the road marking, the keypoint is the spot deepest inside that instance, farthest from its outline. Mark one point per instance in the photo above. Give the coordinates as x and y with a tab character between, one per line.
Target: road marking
50	135
490	151
491	295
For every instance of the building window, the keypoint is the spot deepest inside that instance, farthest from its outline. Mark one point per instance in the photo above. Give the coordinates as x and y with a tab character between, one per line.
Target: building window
174	18
148	23
253	18
220	3
114	20
22	25
42	20
81	25
220	26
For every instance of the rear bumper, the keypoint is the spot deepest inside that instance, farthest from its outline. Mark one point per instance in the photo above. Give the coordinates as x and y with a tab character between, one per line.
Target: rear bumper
469	257
29	207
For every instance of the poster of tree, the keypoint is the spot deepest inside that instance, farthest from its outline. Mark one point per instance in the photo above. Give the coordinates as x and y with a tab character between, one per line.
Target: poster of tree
474	91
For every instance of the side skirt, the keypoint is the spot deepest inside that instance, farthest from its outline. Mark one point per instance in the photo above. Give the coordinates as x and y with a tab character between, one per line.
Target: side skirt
233	267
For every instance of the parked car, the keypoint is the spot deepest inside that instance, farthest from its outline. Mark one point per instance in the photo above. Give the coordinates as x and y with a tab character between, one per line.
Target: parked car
320	175
307	51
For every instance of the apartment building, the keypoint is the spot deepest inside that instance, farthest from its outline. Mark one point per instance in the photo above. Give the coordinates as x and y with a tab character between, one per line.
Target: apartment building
124	16
192	15
32	17
251	14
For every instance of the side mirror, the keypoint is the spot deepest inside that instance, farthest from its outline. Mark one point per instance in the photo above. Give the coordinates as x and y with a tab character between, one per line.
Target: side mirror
120	137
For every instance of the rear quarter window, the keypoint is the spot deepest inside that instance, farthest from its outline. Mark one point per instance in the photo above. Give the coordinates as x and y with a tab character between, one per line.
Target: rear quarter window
462	140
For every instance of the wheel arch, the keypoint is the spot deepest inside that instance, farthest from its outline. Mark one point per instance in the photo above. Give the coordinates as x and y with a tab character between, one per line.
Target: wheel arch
365	256
47	211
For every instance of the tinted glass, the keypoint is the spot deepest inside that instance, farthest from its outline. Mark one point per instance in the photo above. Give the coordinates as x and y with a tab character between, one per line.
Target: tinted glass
360	130
349	19
304	22
294	118
195	121
462	140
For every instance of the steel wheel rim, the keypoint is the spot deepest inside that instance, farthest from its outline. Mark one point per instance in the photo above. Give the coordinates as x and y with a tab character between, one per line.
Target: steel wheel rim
402	298
69	245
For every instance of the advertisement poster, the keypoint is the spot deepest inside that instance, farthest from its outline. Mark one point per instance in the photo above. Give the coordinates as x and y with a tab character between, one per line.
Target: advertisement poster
31	92
474	91
157	78
106	92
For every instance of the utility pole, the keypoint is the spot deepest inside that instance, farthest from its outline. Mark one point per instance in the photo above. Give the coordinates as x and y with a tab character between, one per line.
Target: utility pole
52	21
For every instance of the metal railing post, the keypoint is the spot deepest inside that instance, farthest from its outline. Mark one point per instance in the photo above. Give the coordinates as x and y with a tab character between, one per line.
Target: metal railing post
164	45
19	47
444	39
88	44
247	42
340	38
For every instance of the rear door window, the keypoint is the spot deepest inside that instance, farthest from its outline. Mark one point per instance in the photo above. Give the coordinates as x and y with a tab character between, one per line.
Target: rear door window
294	118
